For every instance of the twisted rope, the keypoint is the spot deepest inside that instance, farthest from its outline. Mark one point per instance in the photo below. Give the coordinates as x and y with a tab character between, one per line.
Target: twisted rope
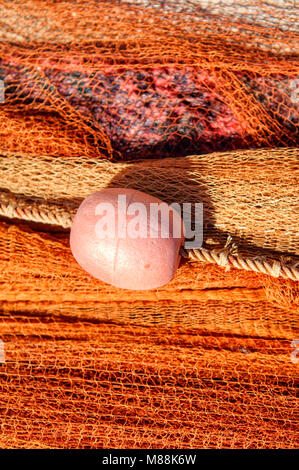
226	257
53	216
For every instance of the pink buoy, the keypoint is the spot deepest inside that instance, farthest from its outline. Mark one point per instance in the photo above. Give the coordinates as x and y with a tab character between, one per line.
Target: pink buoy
127	238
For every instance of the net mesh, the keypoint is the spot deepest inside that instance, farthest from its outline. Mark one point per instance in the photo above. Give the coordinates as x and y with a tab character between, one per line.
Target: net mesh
141	79
103	94
236	189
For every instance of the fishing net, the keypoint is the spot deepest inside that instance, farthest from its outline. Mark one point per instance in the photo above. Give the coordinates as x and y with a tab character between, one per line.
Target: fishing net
190	102
138	79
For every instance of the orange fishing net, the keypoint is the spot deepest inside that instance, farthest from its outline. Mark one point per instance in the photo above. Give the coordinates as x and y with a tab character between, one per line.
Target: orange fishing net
190	102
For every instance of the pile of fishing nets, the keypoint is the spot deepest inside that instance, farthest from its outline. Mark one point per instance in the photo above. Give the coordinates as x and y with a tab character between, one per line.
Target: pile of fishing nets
190	102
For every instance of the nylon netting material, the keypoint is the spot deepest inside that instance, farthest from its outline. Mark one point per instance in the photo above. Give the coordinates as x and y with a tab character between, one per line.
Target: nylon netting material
236	190
208	360
90	365
135	80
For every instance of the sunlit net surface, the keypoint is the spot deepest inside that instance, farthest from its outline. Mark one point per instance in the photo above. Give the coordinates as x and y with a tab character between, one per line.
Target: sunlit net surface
210	359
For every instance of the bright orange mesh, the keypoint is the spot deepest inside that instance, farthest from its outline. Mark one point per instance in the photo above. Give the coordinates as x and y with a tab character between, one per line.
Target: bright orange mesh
202	362
209	360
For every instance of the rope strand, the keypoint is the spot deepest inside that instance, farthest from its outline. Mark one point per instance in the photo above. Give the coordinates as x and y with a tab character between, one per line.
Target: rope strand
228	259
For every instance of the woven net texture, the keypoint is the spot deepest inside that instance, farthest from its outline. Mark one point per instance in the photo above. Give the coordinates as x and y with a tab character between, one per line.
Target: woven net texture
190	101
